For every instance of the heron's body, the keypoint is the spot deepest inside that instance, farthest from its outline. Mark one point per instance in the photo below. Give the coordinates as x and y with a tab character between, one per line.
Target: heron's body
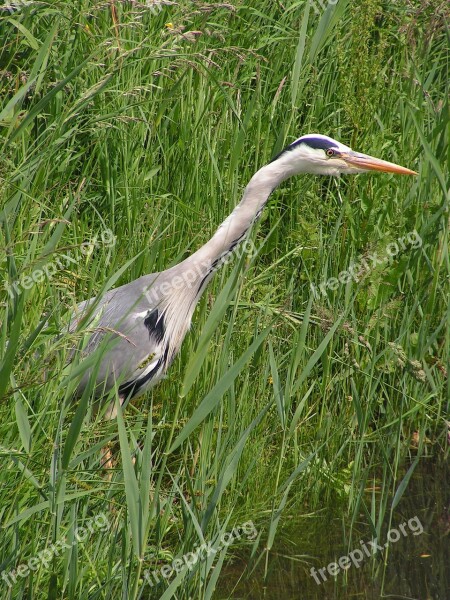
145	321
134	316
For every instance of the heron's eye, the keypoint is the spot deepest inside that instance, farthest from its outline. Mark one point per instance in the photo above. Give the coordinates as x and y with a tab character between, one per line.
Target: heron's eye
330	152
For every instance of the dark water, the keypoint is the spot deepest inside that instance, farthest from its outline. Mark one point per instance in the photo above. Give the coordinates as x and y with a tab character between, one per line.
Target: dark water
416	565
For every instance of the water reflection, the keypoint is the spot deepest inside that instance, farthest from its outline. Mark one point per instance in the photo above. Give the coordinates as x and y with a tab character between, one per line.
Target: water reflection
415	566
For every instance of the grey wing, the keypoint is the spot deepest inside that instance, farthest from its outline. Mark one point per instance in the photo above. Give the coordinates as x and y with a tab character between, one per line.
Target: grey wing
126	329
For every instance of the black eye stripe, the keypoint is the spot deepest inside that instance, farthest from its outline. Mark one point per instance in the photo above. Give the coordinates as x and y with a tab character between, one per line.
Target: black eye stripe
316	143
313	142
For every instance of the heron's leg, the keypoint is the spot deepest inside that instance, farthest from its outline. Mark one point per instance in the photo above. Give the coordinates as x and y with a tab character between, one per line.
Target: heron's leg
108	462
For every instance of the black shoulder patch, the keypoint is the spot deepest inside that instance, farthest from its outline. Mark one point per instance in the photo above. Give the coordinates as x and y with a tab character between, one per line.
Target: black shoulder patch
155	325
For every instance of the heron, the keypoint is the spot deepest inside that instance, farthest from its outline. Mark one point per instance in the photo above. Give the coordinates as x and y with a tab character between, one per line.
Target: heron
145	321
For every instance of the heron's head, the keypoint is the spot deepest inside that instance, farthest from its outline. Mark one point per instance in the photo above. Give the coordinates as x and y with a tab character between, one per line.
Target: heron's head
321	155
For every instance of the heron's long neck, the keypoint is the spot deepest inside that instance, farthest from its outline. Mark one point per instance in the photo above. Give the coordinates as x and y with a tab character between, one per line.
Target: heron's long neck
236	225
180	300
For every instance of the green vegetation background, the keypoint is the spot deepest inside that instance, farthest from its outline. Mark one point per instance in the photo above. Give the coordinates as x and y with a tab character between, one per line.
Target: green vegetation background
145	121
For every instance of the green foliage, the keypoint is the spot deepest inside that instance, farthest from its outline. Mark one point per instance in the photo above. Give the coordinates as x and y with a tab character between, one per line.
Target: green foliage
127	132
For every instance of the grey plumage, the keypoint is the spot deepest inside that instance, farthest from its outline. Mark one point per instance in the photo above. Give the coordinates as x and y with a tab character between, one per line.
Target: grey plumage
133	320
138	328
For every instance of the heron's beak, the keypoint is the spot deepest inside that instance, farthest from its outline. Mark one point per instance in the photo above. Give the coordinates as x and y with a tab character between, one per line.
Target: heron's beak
369	163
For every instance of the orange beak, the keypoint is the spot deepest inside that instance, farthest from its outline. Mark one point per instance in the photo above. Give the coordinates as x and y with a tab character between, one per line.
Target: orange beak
364	162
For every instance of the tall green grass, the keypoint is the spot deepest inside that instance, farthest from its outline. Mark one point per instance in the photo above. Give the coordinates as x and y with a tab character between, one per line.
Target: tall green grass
144	123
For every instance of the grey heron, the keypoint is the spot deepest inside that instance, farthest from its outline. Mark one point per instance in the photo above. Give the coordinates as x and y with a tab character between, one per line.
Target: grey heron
147	319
